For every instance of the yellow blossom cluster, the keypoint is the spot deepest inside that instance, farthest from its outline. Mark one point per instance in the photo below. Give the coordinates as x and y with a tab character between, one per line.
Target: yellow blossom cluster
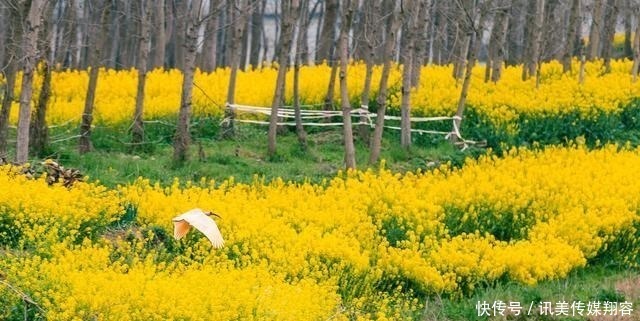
365	245
437	93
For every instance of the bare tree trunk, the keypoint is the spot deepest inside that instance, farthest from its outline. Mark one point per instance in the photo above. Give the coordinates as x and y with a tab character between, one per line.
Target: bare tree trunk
460	49
237	28
244	48
327	37
39	132
303	26
389	46
421	43
115	39
440	36
159	38
516	35
12	40
98	34
180	25
497	41
290	10
411	17
611	15
475	40
371	19
551	42
331	88
593	49
572	30
192	19
256	33
636	47
137	130
350	7
210	46
30	53
627	10
531	64
66	34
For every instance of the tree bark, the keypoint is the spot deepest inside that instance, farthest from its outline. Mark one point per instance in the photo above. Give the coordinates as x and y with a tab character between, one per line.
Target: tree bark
474	42
12	40
497	41
303	26
39	132
115	40
137	130
98	34
256	33
208	56
421	42
389	46
572	31
290	10
371	19
410	17
350	7
237	28
593	48
30	53
627	48
535	40
326	42
192	20
159	38
636	47
611	15
180	33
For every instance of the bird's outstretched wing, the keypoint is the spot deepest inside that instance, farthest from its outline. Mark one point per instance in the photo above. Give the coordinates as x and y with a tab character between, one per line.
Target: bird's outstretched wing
180	228
205	224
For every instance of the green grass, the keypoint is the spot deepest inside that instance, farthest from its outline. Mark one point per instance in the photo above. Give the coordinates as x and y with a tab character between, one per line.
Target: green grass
242	158
592	283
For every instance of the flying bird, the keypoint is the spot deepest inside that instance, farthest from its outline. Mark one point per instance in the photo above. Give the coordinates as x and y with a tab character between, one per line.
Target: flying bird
202	221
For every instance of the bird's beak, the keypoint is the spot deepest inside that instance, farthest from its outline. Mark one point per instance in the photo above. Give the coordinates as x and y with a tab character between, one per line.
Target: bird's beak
214	214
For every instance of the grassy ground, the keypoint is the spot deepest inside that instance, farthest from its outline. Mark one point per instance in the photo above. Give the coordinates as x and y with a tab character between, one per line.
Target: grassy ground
244	157
593	283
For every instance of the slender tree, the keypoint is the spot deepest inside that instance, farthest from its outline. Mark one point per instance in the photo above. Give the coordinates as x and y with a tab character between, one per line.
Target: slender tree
137	129
326	43
636	46
572	31
593	49
611	15
290	11
238	25
411	11
256	33
394	23
474	42
194	17
39	132
303	26
349	10
371	19
534	40
158	36
210	45
496	50
32	26
98	31
13	37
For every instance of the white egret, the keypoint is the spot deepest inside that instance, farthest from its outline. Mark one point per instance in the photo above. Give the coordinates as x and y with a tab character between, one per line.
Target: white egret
202	221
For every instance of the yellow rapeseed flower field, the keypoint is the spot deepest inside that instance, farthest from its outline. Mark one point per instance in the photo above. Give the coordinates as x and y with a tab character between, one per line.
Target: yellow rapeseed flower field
365	245
437	93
